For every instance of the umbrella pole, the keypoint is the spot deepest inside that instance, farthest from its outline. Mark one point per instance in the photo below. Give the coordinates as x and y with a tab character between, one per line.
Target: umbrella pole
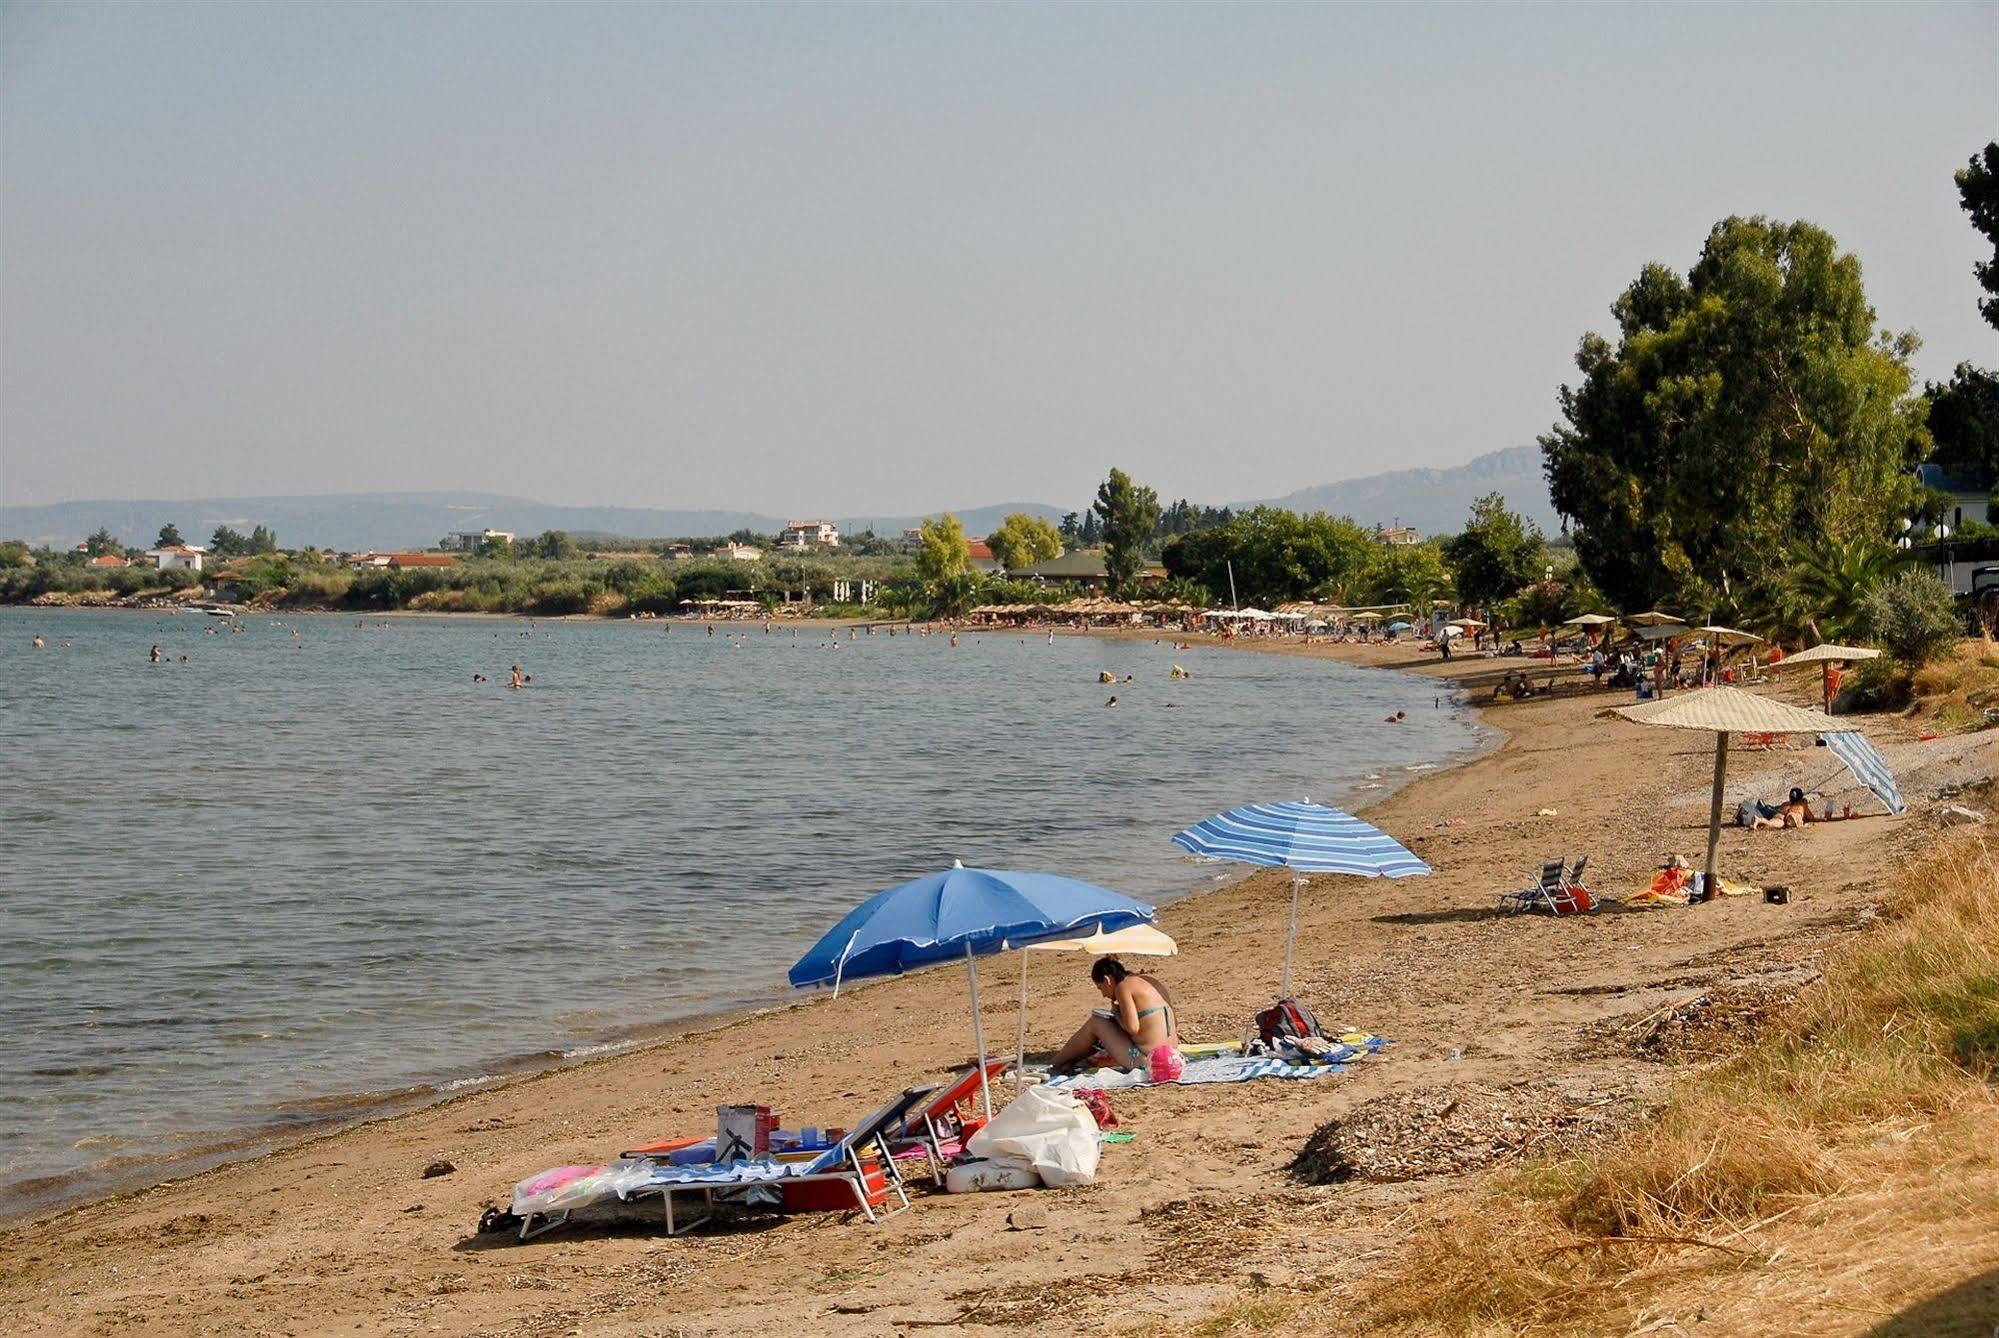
978	1030
1290	938
1714	810
1020	1048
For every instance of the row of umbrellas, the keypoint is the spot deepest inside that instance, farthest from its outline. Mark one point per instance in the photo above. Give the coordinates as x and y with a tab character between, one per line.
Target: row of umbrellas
970	913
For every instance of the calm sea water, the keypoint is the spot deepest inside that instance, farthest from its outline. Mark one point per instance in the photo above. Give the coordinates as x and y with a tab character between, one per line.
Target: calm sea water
317	868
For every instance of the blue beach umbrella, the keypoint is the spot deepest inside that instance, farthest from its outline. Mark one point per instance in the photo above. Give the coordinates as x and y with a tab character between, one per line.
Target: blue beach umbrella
1303	837
968	913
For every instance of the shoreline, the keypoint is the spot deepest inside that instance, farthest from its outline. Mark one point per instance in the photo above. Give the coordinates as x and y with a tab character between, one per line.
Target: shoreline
343	1230
278	1129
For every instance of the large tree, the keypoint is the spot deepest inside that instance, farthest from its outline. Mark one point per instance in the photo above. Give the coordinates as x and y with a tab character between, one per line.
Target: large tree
169	536
1129	514
1497	553
1274	555
1964	421
1021	540
102	544
942	555
1749	406
1978	190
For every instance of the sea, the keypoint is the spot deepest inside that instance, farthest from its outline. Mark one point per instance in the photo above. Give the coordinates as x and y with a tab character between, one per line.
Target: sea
306	869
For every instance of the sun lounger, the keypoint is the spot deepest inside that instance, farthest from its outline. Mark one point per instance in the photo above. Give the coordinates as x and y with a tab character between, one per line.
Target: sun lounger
1538	895
843	1163
938	1130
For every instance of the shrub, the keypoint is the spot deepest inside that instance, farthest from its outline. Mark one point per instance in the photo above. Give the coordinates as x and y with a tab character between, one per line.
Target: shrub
1914	616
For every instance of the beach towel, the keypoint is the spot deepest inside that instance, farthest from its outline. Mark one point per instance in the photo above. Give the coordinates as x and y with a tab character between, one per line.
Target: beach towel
1222	1068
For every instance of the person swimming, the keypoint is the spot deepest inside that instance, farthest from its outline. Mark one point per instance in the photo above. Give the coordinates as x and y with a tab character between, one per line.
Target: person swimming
517	680
1130	1033
156	653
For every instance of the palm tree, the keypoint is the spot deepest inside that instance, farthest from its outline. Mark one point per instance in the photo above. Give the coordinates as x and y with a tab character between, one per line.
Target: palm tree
1825	586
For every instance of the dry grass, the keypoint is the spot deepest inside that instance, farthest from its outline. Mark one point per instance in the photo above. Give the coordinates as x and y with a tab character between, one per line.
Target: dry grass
1902	1032
1958	691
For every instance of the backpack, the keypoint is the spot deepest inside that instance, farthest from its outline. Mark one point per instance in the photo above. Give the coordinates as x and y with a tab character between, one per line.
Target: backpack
1286	1020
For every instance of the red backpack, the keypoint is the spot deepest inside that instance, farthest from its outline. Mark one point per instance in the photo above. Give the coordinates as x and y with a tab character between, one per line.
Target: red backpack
1287	1019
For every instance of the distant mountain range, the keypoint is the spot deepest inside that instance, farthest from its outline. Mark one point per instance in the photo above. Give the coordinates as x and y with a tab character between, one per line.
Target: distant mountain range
1432	500
1436	501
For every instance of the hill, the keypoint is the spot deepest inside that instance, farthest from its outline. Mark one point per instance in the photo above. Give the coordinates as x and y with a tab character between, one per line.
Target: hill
1435	500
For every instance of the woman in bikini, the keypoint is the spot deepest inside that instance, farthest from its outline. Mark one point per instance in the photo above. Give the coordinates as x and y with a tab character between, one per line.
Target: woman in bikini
1139	1021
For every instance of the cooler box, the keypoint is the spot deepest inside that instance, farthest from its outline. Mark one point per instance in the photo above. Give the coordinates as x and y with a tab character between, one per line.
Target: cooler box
832	1196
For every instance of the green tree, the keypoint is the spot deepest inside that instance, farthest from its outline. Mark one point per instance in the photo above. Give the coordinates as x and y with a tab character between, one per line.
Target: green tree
169	536
1914	617
1021	540
555	545
1748	407
1497	553
1274	555
226	542
1826	587
942	555
1978	191
100	543
496	546
1416	574
1129	514
1964	421
1071	530
262	540
14	553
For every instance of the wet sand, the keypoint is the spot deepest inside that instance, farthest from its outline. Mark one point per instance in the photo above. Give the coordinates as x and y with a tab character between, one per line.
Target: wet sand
345	1233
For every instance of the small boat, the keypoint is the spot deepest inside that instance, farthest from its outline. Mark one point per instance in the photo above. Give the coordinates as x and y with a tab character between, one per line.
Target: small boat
218	610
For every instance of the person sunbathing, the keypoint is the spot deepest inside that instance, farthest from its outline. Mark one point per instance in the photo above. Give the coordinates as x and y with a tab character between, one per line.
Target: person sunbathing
1793	812
1139	1022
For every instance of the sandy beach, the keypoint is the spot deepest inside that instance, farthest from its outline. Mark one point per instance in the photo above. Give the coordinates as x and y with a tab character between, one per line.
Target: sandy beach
1193	1220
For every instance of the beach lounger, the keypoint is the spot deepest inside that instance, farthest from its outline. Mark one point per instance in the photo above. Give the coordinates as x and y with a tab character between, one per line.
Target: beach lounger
938	1131
843	1163
1540	894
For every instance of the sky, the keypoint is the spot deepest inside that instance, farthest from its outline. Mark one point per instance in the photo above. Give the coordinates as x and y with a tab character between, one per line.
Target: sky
850	259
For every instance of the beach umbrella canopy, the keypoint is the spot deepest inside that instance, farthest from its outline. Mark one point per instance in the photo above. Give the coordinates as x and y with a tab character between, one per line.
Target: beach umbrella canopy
1398	626
1466	622
1729	636
1305	838
1825	657
1658	631
1590	620
1722	711
1652	618
965	913
1368	617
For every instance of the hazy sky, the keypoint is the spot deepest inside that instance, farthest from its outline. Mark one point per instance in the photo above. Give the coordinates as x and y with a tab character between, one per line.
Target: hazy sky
844	259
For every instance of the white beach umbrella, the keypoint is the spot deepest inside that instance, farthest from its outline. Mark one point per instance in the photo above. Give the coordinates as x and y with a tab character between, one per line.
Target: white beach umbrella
1825	657
1590	620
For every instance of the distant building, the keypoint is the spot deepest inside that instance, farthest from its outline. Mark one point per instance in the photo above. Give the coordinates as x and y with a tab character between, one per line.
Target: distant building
177	557
1082	568
741	552
363	561
981	554
405	561
471	541
1398	536
809	534
106	561
1970	493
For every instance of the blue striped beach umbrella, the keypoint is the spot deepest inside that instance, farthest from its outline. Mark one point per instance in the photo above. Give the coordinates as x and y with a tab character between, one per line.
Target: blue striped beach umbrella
1305	838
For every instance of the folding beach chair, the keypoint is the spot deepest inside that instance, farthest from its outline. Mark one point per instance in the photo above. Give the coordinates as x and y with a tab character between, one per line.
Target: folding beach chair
1575	898
939	1128
842	1163
1541	894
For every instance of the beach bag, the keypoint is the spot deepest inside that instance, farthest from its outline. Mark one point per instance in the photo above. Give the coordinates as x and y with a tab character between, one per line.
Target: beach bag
1098	1102
1046	1131
1286	1020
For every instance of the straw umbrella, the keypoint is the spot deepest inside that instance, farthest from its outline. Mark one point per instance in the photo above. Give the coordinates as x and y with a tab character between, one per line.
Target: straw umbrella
1653	618
1722	711
1824	656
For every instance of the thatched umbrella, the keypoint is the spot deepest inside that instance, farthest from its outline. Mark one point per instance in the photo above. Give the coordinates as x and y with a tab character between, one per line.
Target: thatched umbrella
1723	711
1825	656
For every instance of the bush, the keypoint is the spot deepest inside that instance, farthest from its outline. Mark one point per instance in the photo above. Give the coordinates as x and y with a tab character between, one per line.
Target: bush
1914	616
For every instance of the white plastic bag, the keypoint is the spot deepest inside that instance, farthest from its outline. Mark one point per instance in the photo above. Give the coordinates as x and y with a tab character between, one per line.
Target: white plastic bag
1048	1131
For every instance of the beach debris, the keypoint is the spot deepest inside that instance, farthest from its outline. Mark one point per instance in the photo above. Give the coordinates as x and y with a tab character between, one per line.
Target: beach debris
437	1168
1549	813
1957	815
1028	1217
1460	1128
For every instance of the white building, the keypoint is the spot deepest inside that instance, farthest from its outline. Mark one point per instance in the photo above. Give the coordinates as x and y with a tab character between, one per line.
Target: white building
742	552
177	557
810	534
471	541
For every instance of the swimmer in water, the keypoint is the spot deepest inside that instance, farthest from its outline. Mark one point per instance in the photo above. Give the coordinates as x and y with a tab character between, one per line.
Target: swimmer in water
38	641
1111	702
156	654
516	681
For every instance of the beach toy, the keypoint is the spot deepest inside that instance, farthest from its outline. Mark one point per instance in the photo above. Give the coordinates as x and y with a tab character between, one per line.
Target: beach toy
1167	1065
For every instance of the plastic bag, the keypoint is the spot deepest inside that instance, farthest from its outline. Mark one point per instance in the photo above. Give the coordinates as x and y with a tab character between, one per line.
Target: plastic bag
1047	1131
